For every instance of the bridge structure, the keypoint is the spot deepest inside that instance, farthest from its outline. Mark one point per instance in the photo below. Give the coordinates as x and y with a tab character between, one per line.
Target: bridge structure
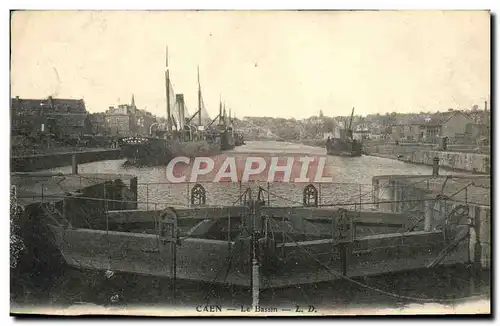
252	243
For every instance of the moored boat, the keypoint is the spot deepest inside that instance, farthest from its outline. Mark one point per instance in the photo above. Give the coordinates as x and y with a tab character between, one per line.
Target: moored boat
345	145
183	137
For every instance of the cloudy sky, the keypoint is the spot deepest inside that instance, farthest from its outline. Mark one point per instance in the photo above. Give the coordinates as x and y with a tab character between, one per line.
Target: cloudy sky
289	64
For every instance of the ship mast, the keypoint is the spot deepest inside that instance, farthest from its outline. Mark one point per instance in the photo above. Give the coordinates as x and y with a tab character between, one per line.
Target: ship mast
350	121
220	109
349	131
199	98
167	91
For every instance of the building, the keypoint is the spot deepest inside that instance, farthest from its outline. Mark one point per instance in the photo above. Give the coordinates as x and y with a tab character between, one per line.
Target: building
60	118
99	123
451	124
477	133
128	120
144	121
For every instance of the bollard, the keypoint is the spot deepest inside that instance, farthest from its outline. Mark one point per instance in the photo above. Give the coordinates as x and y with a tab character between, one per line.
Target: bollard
133	189
429	210
74	164
376	192
255	284
435	167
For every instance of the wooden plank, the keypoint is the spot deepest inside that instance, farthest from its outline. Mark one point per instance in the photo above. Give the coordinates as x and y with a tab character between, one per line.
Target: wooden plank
195	213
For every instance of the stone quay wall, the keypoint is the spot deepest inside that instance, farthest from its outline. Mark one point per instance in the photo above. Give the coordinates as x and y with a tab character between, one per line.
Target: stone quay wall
424	154
32	163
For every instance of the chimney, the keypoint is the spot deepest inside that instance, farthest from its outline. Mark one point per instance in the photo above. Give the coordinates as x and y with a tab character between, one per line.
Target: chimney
435	167
179	98
51	102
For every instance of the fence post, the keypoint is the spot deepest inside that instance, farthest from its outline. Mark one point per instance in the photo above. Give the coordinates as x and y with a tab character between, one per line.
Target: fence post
319	194
147	196
106	212
63	208
268	195
229	230
255	258
241	199
429	210
360	200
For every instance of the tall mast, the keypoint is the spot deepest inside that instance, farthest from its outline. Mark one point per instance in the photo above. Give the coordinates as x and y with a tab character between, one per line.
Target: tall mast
167	90
220	109
224	114
350	122
199	98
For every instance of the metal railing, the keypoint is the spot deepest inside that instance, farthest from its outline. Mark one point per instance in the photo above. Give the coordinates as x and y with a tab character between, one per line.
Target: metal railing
274	194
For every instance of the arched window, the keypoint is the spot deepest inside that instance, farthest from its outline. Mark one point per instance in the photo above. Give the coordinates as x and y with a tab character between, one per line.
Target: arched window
198	195
310	196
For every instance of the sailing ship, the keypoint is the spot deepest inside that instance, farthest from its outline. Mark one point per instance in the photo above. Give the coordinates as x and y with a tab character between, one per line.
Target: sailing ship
182	136
345	145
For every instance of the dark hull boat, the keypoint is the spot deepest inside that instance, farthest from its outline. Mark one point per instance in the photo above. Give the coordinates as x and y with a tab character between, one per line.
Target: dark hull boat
340	147
145	151
346	145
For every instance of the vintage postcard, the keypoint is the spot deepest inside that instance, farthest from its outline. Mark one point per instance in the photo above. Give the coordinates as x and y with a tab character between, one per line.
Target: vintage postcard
250	163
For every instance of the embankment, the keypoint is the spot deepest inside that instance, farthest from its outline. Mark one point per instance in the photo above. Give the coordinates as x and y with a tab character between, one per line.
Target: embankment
425	154
312	142
37	162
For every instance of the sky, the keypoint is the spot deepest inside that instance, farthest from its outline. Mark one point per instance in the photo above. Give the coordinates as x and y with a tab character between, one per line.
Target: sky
279	64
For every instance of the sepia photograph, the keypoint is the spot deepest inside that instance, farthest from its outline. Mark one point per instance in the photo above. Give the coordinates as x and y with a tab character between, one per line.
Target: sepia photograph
212	163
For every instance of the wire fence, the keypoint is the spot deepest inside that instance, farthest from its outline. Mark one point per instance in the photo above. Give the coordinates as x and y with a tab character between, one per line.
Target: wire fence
274	194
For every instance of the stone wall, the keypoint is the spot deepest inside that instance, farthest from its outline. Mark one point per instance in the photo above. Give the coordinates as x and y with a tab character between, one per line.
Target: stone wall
454	160
32	163
424	154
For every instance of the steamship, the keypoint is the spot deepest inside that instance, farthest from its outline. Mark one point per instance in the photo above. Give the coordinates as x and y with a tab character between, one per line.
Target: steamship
182	136
345	145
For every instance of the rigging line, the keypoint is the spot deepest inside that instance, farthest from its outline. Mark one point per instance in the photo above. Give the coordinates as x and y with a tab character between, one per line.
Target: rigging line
348	204
418	219
228	259
432	206
345	203
55	196
241	196
281	197
369	192
462	189
395	295
379	202
388	181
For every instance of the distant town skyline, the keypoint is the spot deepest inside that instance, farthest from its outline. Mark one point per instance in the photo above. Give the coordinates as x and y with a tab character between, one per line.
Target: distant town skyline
287	64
